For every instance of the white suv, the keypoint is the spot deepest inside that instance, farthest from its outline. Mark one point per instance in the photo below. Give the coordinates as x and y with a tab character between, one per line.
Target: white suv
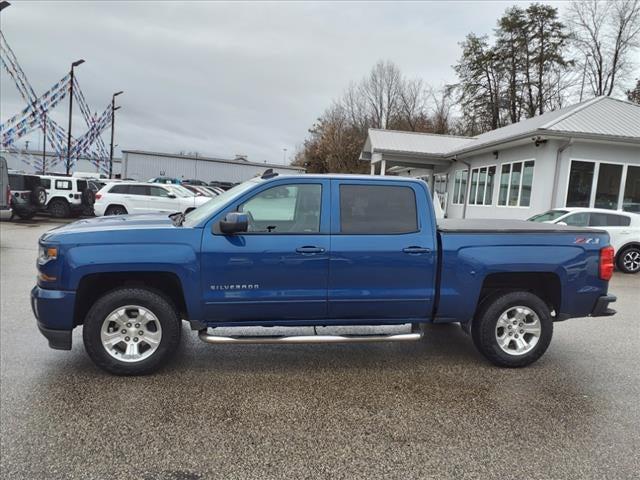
67	196
136	197
623	229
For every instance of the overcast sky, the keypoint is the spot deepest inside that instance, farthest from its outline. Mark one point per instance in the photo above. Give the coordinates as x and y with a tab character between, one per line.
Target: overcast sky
227	78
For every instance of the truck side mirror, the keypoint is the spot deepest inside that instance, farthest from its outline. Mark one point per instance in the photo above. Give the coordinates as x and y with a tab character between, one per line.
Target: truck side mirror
234	222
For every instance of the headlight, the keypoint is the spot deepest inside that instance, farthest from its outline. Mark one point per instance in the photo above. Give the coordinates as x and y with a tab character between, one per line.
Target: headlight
47	254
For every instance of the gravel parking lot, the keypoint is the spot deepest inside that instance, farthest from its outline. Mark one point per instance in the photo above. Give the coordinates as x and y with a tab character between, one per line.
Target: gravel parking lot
433	409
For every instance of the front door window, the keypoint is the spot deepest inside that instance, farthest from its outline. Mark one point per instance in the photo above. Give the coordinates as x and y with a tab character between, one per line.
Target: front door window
293	209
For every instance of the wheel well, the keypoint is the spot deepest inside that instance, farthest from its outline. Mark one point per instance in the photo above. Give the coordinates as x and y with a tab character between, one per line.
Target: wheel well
111	205
543	284
57	199
93	286
627	245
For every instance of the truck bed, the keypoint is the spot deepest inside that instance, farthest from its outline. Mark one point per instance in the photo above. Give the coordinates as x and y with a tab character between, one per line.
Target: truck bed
506	226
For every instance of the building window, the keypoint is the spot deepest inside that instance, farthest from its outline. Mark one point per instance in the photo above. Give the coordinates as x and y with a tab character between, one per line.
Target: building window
631	199
516	181
597	184
608	188
580	184
460	186
482	186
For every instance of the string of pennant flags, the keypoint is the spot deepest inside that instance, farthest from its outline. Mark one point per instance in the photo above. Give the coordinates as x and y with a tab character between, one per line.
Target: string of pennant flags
36	116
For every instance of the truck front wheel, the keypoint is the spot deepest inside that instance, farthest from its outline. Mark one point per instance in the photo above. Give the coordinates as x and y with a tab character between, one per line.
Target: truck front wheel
513	330
131	331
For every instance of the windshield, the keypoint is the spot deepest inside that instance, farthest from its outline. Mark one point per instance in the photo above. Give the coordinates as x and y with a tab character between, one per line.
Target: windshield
549	216
208	209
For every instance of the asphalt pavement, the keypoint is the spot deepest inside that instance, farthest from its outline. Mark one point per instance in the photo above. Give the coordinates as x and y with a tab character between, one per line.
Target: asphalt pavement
433	409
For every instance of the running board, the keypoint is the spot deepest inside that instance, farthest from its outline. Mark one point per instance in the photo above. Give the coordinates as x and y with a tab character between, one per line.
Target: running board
301	339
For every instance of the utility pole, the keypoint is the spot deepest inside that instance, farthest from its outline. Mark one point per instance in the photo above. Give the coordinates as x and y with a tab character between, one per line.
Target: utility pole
44	144
73	65
113	121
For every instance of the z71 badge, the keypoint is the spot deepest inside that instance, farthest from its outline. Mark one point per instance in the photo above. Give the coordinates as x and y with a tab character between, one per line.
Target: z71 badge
587	240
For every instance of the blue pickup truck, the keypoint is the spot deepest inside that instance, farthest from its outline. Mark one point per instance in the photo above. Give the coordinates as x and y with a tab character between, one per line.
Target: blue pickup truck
314	250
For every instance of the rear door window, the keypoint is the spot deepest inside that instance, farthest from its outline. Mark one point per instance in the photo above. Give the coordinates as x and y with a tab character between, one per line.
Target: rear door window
16	182
377	209
158	192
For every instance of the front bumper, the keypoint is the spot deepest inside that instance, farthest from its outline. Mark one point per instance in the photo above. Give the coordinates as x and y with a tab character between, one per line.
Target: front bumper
58	339
602	306
54	311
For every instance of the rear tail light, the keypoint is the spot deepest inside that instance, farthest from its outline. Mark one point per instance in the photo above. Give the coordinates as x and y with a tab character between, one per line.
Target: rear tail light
76	196
98	196
24	195
606	263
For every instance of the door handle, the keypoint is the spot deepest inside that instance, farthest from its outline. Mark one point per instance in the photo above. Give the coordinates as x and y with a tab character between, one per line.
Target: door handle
416	250
309	250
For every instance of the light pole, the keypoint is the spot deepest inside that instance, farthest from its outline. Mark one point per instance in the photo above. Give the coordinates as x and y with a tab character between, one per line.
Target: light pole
113	120
584	73
73	65
44	144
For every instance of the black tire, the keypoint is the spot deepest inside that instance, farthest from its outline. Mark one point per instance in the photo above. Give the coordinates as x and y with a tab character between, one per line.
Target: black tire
26	214
116	210
38	197
483	328
59	208
88	197
151	300
628	260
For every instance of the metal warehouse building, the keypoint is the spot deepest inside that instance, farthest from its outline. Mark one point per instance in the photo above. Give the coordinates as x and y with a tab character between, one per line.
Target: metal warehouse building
141	165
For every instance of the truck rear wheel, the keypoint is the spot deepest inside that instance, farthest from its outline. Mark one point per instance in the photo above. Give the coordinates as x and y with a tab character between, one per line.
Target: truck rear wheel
131	331
513	330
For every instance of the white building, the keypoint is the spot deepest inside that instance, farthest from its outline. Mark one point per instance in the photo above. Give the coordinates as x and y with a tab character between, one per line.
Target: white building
141	165
585	155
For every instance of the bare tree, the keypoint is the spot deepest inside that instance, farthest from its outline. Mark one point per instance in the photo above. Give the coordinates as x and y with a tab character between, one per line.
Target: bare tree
606	35
382	92
441	114
413	104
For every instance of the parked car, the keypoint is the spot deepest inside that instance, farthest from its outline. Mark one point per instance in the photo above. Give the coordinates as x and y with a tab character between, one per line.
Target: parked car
124	198
193	181
223	185
339	250
5	191
27	194
164	180
623	229
68	196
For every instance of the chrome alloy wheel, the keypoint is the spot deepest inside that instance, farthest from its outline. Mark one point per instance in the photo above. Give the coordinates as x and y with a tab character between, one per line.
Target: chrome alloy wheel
131	333
631	260
518	330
